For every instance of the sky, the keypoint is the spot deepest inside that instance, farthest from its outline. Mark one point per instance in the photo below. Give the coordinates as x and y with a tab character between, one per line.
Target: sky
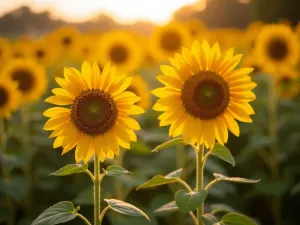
126	11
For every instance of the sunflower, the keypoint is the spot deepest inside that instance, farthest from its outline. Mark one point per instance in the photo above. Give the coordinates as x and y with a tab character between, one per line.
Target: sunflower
65	39
9	97
168	39
122	49
277	46
195	27
204	94
250	35
42	53
85	49
21	50
139	87
287	83
5	51
98	118
252	62
30	76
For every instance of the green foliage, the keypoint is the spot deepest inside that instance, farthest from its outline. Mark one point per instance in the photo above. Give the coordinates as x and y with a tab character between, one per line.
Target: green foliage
168	144
236	219
167	208
161	180
221	177
115	171
209	219
126	208
189	201
59	213
223	153
15	187
70	169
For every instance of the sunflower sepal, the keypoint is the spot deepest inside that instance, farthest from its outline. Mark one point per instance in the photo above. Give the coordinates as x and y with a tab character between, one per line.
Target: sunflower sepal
61	212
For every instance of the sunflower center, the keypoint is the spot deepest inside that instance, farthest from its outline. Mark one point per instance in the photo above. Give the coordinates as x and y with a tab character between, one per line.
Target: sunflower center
24	79
118	53
94	112
205	95
278	49
3	96
40	54
170	41
85	51
67	40
18	55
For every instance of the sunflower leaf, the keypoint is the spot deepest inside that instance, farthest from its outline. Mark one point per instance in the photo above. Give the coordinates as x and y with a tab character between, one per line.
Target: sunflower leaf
70	169
158	180
189	201
59	213
221	177
126	208
223	153
114	171
236	219
167	208
168	144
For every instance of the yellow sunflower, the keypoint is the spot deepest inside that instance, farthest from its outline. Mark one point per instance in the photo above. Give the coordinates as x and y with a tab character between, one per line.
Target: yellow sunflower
43	53
277	46
30	76
140	87
168	39
5	51
65	39
252	62
204	94
85	49
21	50
98	117
250	35
287	83
9	97
122	49
195	27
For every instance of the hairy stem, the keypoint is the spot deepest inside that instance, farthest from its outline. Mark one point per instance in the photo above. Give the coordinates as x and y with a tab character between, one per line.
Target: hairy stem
199	180
97	190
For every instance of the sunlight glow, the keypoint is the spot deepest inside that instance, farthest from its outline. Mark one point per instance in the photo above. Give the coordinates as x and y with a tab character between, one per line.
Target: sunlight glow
125	11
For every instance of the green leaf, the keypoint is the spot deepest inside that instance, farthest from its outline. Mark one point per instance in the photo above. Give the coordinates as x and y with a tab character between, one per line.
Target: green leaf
115	171
167	208
70	169
216	208
160	180
125	208
168	144
59	213
223	153
236	219
234	179
209	219
189	201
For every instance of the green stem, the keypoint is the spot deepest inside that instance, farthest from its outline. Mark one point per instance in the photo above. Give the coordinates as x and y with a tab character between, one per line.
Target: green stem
103	213
185	185
97	190
210	184
194	218
199	180
273	132
83	218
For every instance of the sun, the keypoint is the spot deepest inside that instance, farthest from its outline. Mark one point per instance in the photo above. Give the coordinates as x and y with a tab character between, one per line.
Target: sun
123	11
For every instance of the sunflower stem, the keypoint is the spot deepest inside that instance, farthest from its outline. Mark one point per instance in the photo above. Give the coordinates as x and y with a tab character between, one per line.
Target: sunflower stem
97	190
273	133
199	179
